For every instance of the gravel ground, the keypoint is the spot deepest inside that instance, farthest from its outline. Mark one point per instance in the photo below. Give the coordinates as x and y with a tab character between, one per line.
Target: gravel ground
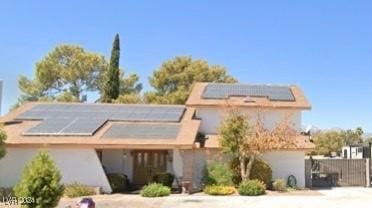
329	198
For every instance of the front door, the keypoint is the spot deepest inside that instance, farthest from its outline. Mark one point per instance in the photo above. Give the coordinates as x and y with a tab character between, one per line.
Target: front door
146	163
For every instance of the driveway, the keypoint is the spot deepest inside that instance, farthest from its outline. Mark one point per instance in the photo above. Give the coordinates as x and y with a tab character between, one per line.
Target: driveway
330	198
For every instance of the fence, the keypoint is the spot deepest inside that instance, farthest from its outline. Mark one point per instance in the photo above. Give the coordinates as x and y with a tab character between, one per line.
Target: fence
337	172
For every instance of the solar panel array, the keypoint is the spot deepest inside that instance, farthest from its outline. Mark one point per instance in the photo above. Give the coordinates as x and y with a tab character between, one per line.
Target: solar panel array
85	119
223	91
142	131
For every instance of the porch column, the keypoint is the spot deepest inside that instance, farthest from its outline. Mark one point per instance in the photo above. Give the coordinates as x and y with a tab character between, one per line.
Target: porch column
188	165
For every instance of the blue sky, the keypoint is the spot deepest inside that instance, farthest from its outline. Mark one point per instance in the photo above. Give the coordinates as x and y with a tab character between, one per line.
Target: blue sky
323	46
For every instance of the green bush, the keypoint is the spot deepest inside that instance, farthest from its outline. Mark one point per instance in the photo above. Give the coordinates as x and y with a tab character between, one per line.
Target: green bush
41	181
251	188
219	190
260	171
164	178
217	174
279	185
155	190
234	166
118	182
77	190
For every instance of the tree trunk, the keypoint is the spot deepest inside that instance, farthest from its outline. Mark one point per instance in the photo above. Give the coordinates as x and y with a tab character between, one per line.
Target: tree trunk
249	165
245	167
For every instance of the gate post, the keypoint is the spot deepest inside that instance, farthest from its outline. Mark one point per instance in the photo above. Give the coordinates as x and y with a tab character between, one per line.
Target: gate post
368	176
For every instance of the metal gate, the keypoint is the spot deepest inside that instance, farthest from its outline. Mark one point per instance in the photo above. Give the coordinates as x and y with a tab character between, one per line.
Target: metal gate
337	172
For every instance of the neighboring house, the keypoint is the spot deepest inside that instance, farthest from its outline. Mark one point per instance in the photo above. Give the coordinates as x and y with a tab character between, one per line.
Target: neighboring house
356	151
88	140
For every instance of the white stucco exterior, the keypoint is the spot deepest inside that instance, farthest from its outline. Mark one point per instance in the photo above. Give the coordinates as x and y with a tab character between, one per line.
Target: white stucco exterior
177	163
212	117
286	163
75	164
283	163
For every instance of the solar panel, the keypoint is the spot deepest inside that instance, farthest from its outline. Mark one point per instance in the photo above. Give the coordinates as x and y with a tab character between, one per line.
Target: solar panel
124	112
142	131
85	119
83	126
49	126
223	91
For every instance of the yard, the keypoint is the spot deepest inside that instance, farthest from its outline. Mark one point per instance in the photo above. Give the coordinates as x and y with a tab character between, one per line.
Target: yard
336	197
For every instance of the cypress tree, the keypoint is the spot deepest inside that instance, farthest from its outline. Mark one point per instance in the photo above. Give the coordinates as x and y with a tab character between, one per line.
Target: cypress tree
112	86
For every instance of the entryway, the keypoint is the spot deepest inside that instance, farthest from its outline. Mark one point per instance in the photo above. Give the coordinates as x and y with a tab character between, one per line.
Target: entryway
146	163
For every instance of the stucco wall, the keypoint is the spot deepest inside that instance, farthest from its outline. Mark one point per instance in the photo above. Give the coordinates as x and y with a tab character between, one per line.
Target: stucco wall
282	163
76	165
212	117
114	161
286	163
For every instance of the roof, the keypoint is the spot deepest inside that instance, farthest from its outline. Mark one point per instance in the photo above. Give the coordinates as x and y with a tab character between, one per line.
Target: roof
243	95
302	142
28	126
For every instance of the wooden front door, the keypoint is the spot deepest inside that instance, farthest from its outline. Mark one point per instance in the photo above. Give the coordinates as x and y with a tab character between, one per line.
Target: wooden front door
146	163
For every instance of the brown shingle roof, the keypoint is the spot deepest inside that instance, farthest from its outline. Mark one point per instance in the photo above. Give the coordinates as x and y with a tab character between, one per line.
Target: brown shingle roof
302	142
185	137
196	100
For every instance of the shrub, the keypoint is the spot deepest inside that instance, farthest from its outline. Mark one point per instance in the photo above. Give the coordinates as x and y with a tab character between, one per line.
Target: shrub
217	174
163	178
118	182
219	190
41	181
251	188
260	171
279	185
155	190
77	190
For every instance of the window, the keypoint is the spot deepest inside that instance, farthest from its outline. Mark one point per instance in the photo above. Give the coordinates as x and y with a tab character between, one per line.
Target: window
360	149
345	153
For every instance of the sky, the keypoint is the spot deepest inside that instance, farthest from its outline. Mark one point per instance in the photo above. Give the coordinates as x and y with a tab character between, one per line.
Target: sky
325	47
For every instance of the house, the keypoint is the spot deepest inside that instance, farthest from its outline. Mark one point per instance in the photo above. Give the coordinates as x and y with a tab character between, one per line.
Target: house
87	141
356	151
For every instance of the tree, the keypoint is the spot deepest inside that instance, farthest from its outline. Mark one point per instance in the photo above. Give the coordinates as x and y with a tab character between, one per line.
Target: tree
327	142
246	140
40	181
111	88
333	141
64	73
3	137
173	81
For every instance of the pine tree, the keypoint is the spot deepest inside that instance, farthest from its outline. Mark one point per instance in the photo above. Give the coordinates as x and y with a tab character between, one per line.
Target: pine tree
112	86
40	181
